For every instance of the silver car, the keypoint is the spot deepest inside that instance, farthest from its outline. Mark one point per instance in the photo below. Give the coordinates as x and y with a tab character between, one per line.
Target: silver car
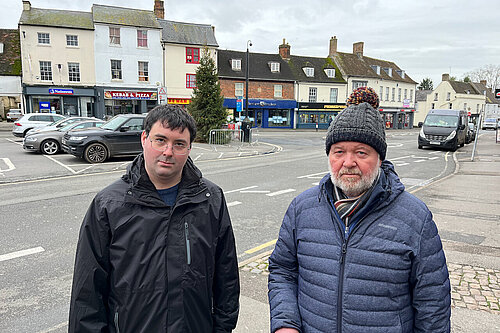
58	124
33	120
49	142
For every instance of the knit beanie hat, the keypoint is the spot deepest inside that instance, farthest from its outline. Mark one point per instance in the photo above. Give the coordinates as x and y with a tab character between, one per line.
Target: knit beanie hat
359	123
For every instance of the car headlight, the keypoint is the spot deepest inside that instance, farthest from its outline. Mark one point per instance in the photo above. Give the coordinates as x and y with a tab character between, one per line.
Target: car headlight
422	135
30	139
452	135
77	138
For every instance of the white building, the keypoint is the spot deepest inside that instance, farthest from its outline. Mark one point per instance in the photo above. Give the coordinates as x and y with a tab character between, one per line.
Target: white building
10	71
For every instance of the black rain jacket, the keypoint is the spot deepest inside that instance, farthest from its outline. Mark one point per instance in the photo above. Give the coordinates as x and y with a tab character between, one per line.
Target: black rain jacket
144	267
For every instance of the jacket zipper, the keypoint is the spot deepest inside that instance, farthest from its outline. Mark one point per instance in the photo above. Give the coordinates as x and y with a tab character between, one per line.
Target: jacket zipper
116	322
188	247
341	276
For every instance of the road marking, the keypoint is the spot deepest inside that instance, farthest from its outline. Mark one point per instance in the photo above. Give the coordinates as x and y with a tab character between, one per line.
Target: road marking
255	191
233	203
197	157
21	253
61	164
54	328
220	156
260	247
280	192
399	158
401	164
418	161
313	174
241	189
315	184
17	143
433	158
202	148
8	163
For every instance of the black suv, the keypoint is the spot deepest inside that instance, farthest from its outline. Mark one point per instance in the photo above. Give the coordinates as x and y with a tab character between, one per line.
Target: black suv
120	136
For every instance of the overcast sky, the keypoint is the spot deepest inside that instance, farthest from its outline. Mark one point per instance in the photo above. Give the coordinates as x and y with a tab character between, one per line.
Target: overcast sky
426	38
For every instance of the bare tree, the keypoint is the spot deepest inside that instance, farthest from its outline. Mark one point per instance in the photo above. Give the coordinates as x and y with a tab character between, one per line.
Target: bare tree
490	73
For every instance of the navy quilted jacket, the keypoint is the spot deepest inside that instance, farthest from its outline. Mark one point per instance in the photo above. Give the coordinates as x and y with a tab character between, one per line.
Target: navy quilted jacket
388	275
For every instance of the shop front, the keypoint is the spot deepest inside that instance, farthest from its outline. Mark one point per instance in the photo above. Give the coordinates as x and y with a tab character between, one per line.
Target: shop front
321	114
61	100
111	101
179	101
265	113
397	118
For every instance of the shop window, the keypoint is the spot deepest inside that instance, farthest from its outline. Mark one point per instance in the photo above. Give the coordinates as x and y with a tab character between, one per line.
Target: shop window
71	40
43	38
236	65
114	36
313	94
142	38
279	118
45	70
116	69
73	72
333	95
190	80
192	55
143	71
278	91
238	89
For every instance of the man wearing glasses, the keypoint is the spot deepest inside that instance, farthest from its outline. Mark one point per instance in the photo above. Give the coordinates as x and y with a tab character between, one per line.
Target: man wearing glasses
156	251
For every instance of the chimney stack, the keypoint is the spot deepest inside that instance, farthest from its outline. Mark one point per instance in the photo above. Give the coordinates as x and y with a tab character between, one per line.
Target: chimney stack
357	49
333	46
284	50
26	5
445	77
483	82
159	10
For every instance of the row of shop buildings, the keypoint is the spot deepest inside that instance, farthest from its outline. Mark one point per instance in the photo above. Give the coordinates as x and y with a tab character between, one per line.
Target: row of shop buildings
115	60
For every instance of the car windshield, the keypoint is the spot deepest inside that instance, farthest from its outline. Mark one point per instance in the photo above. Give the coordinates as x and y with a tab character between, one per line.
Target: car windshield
438	120
67	127
471	126
114	123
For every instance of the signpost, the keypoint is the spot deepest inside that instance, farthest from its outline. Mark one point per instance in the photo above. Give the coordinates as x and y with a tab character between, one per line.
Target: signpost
162	95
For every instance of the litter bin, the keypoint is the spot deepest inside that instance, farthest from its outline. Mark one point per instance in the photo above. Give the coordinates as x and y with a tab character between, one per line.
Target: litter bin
245	127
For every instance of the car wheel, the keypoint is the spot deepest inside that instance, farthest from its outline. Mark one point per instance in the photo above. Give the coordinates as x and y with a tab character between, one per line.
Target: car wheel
95	153
419	146
49	147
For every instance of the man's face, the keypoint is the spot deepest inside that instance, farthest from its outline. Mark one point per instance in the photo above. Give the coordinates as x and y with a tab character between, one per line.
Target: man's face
164	168
354	166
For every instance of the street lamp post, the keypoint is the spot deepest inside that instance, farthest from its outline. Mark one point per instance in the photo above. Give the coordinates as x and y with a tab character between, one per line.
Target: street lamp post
249	43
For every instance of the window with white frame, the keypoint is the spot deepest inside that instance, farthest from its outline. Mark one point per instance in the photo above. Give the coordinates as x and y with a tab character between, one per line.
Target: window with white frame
236	64
114	36
386	93
406	94
436	96
278	91
116	69
381	93
399	94
448	96
1	47
275	67
359	84
190	80
46	70
313	94
330	72
411	95
238	89
393	94
309	71
73	72
71	40
334	92
43	38
142	38
143	71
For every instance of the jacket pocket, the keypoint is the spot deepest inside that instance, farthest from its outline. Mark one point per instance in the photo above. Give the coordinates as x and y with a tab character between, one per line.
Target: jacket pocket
117	326
188	245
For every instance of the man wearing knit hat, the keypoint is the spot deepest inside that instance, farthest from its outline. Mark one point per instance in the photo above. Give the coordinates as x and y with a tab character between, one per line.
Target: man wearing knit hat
358	253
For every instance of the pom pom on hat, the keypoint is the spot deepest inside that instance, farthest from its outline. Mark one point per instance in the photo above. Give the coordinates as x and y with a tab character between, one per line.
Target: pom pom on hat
364	94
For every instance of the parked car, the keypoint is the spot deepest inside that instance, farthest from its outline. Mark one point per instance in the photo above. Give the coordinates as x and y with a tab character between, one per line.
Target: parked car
471	133
59	124
14	114
119	136
33	120
444	128
489	123
49	142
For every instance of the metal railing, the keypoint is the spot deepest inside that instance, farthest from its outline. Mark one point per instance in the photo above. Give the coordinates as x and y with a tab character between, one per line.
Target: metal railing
229	137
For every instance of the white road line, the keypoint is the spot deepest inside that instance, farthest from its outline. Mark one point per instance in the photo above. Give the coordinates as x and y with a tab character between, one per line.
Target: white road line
17	143
9	164
433	158
255	191
202	148
21	253
233	203
91	166
54	328
399	158
418	161
280	192
313	174
61	164
401	164
197	157
220	155
315	184
435	152
240	189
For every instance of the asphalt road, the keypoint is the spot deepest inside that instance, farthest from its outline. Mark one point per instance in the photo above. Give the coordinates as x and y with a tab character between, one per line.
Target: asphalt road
42	216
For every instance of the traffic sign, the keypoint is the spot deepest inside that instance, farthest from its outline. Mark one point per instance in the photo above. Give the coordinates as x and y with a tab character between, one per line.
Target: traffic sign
162	95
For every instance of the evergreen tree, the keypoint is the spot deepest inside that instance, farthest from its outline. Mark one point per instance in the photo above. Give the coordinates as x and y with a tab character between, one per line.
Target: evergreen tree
206	104
426	84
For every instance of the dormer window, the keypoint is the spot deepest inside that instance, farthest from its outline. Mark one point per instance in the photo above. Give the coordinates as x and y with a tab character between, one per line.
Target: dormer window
275	67
376	69
388	71
309	71
401	73
236	64
330	72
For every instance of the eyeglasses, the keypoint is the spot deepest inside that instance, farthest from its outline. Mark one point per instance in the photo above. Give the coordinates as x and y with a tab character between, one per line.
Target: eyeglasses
160	144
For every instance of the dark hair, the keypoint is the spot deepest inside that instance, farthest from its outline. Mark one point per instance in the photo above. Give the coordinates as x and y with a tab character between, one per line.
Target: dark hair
173	117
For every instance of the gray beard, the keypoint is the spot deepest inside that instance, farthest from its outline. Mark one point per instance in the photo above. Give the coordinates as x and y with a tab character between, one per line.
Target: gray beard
354	188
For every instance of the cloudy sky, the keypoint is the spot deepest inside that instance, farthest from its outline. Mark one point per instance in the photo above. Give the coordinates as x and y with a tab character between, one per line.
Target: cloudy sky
426	38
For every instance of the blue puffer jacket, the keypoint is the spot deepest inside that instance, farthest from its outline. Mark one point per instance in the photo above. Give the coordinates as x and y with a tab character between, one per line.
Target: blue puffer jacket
388	276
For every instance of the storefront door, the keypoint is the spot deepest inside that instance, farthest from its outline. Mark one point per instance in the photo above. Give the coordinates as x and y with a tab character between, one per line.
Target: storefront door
70	105
258	118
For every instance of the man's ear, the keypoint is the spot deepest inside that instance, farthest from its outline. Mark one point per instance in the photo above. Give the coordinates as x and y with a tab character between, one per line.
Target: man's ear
144	136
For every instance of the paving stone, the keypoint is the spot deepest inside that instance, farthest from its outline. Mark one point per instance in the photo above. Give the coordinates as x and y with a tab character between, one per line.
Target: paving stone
256	271
469	300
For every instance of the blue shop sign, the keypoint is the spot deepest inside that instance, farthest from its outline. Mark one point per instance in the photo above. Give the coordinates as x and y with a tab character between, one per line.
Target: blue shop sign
262	103
44	105
56	91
